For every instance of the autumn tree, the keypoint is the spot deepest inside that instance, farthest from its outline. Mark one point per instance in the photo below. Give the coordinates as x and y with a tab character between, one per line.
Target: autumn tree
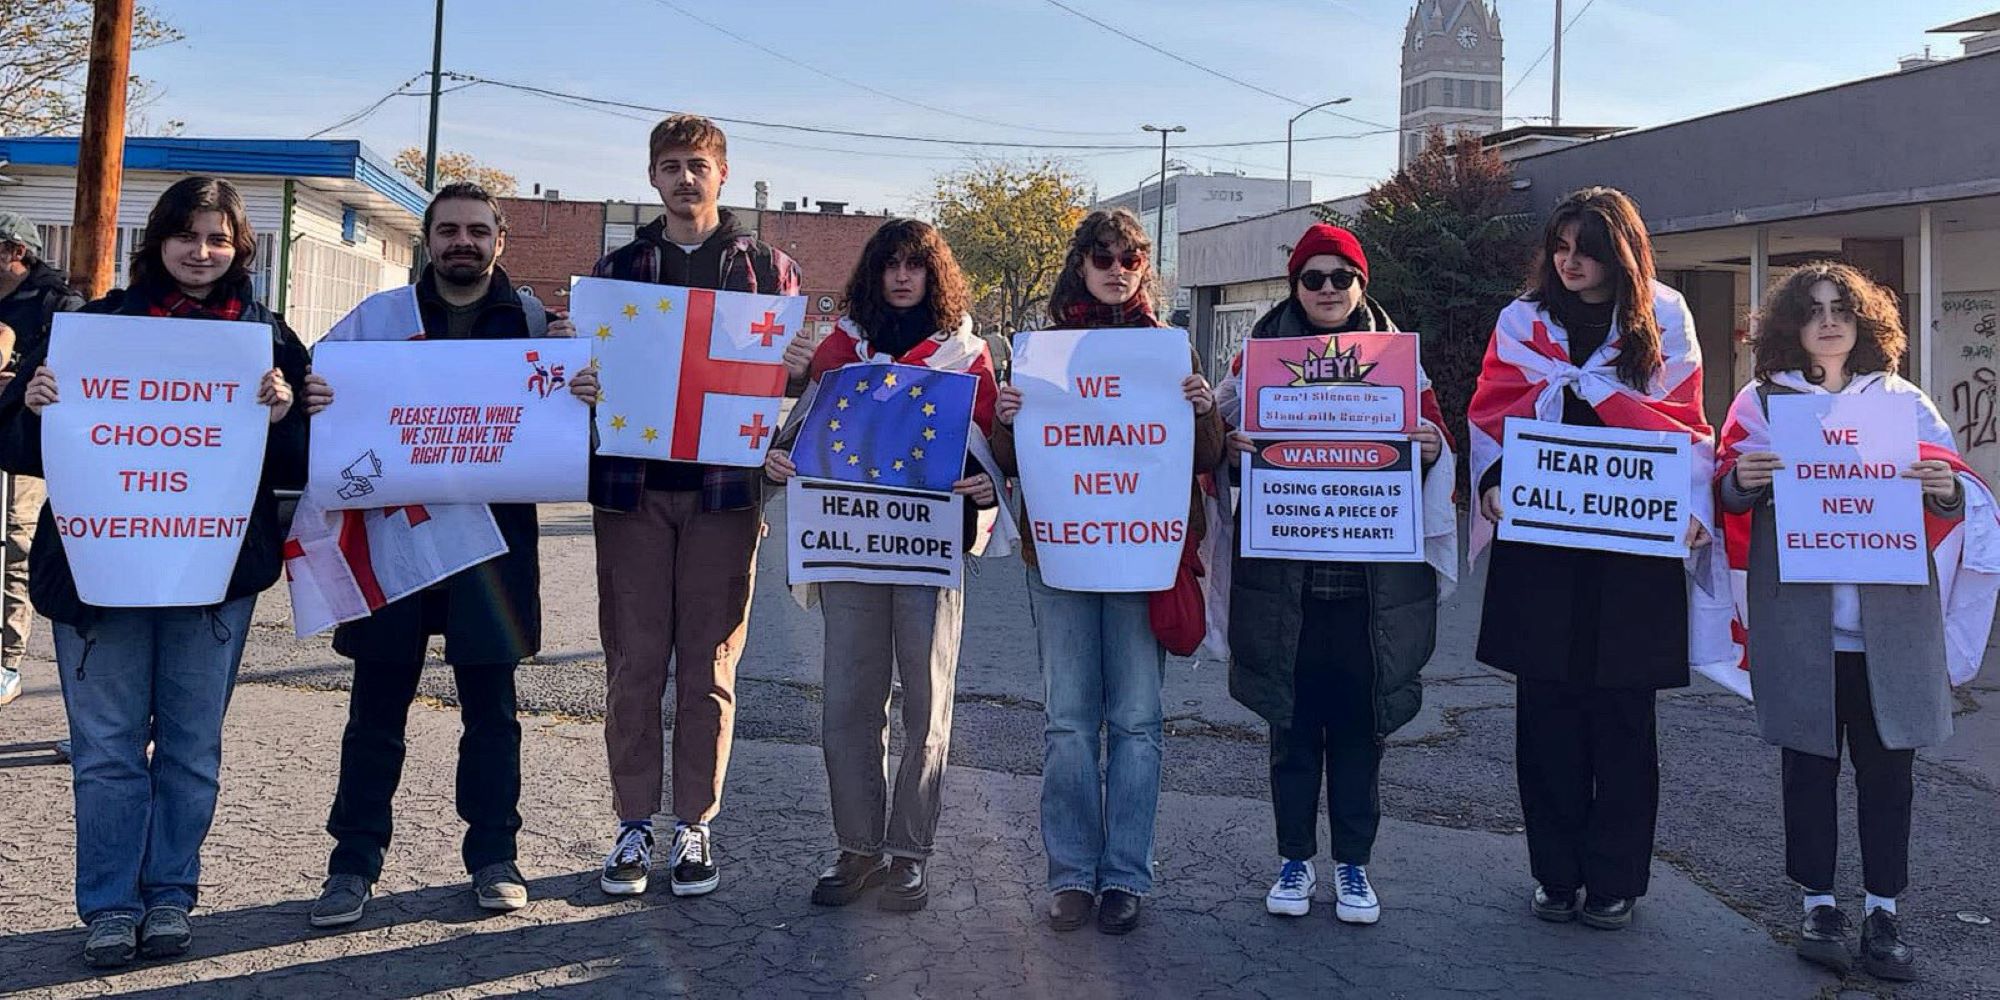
1009	225
1447	250
453	167
44	57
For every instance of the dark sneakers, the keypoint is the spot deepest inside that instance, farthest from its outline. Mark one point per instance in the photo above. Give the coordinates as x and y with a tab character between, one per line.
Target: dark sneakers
1883	953
1117	912
694	871
165	932
341	900
906	888
1826	937
1071	909
1607	913
850	875
1556	906
113	941
631	858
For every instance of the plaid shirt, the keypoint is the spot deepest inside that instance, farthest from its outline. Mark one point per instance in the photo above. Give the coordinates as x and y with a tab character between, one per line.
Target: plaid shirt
618	483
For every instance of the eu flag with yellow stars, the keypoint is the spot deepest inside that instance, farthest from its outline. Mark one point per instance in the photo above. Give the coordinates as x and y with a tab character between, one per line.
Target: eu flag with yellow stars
888	425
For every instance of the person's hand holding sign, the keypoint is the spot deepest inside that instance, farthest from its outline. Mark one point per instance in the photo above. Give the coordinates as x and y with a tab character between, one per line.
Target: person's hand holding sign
1697	536
979	488
1195	390
778	466
1240	442
1489	504
562	327
799	354
1754	469
1429	443
1008	406
275	393
583	385
319	395
41	390
1937	478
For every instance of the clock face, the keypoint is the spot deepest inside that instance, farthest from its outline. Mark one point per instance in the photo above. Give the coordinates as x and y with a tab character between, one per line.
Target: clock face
1467	38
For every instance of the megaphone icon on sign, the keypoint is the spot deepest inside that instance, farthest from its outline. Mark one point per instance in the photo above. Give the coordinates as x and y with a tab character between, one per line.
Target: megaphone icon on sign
358	473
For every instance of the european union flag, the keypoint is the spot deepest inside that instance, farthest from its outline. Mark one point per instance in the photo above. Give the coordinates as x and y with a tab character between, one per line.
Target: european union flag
888	425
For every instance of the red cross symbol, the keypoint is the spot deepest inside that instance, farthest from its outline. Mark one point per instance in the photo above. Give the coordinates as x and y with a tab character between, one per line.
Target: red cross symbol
755	430
768	329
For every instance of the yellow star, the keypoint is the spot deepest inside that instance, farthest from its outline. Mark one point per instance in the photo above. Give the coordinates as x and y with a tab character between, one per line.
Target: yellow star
889	380
617	423
915	391
897	465
666	305
861	386
833	425
930	435
631	311
916	453
604	332
874	473
840	446
840	405
854	459
930	409
651	435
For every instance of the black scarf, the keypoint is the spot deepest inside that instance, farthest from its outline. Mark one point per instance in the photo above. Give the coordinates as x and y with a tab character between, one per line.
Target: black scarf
901	329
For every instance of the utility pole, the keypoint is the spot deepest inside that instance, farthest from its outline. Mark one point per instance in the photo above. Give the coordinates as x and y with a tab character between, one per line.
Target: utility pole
1288	141
1555	87
100	153
1160	226
437	75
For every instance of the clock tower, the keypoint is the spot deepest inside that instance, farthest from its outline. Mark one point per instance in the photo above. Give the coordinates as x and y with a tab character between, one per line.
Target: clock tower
1451	71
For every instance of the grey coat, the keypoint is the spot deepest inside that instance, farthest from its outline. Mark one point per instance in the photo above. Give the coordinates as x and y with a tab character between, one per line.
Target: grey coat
1791	649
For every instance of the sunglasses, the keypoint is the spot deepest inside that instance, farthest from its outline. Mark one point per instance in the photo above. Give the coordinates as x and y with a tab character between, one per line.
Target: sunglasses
1130	260
1341	278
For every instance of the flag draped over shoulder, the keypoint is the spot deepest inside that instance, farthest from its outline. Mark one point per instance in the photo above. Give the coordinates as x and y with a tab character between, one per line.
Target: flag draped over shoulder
344	565
1965	550
1526	370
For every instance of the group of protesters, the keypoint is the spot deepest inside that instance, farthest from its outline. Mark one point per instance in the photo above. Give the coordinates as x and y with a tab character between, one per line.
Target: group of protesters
1330	654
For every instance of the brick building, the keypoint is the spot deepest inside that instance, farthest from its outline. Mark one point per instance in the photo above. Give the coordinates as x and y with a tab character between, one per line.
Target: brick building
548	241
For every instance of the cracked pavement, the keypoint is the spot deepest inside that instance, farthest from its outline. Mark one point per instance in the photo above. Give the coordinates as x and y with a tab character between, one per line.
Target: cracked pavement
1450	866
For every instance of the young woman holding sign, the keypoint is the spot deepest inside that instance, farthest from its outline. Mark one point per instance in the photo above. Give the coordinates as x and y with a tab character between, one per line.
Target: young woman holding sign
162	675
1102	665
907	302
1868	665
1329	652
1591	635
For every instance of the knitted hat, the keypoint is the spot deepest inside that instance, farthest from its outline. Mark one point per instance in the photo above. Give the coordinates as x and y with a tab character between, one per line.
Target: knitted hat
1323	238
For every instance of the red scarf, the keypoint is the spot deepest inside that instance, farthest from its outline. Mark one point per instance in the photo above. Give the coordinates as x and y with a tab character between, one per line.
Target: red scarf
223	304
1090	314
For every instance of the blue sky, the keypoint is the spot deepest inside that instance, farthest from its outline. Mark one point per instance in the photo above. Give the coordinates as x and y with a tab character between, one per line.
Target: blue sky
1019	70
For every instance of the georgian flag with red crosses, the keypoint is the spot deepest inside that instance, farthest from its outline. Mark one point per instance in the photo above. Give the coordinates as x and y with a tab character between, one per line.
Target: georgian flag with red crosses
687	374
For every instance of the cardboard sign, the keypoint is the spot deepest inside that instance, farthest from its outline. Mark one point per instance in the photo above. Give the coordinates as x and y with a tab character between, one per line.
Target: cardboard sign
1361	382
1105	444
1605	488
1334	500
153	453
688	374
1845	514
449	421
873	534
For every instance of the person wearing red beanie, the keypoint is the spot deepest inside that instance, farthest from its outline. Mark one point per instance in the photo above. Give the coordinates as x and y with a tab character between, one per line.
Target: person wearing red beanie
1325	238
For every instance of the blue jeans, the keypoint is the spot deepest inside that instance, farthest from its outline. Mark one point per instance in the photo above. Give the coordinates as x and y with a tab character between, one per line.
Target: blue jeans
139	675
1101	671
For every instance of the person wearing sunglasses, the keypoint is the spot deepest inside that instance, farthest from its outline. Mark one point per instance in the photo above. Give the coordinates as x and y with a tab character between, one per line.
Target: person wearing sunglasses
1329	653
1102	665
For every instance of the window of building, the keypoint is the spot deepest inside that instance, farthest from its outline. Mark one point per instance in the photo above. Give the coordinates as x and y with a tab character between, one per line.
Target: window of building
1449	98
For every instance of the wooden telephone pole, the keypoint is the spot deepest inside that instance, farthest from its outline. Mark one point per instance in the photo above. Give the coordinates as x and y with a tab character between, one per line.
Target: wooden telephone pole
100	154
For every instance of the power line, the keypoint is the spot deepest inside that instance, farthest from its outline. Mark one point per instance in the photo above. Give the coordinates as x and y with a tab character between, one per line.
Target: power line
1545	52
370	109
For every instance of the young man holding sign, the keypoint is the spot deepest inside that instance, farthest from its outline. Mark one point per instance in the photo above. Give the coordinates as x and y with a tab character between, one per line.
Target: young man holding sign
677	541
1860	663
156	668
489	614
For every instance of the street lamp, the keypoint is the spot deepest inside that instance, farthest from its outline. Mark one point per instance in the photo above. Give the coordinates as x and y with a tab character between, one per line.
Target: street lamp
1288	141
1160	223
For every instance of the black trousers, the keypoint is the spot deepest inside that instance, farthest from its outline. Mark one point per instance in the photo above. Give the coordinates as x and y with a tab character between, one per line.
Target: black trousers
1882	791
371	764
1588	762
1332	732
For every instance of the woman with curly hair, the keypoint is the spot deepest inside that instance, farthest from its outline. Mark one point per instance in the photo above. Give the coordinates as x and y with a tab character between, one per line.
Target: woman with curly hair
1868	665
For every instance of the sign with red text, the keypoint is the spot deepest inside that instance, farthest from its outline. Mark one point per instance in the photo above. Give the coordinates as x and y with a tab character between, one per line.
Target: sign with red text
689	374
1105	445
1352	499
1844	512
1360	382
861	533
1612	489
449	421
153	453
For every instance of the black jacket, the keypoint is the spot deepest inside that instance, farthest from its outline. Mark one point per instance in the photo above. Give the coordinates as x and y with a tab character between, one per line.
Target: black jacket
51	588
491	612
43	293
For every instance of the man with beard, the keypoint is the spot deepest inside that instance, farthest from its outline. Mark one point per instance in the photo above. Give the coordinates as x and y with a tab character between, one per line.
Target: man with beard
489	614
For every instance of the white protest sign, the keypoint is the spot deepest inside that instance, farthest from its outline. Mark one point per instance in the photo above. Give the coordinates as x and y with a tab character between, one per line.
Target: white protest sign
154	453
1607	488
1105	444
1351	499
1844	513
873	534
450	421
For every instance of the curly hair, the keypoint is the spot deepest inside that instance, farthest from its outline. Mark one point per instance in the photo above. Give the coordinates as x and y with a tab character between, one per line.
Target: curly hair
1879	342
1105	229
945	289
1609	231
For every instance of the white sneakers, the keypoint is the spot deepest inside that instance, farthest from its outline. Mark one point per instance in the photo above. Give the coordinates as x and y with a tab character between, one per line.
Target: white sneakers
1292	894
1356	902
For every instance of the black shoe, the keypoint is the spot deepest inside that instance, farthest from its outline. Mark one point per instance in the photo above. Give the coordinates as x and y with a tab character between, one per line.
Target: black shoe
905	888
1117	912
1070	909
1607	913
1556	906
1883	953
164	933
850	876
1826	937
694	871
